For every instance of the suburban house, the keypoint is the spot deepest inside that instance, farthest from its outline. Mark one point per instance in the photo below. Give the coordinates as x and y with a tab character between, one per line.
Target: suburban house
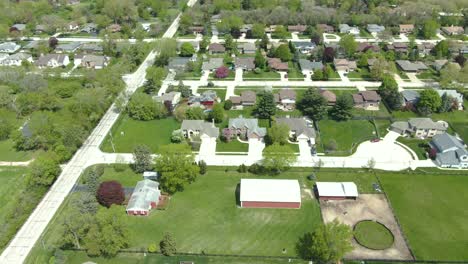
247	48
207	99
245	128
397	47
89	28
201	128
329	96
145	197
364	46
299	128
439	64
420	127
463	50
410	97
458	97
308	66
453	30
39	29
374	28
94	62
368	100
113	28
178	64
53	60
450	151
247	98
277	65
91	48
196	29
72	26
18	28
3	56
297	28
346	29
67	47
216	48
17	59
406	28
286	99
304	47
325	28
408	66
32	45
336	190
270	193
212	64
425	48
245	63
170	99
344	65
270	29
9	47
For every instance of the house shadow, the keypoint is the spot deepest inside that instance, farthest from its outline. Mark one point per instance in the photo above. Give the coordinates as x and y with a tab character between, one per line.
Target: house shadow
237	195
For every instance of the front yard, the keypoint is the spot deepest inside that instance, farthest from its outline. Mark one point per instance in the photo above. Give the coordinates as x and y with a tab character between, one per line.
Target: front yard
417	145
263	75
233	146
128	133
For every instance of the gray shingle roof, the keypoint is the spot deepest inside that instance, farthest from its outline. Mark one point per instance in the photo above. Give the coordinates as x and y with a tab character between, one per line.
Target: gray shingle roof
298	125
212	64
68	47
411	95
445	141
450	150
201	125
406	65
251	124
425	123
307	65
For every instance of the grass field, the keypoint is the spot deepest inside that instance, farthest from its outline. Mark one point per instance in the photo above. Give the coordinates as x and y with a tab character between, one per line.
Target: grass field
373	235
8	152
127	133
417	145
432	210
345	134
271	75
233	146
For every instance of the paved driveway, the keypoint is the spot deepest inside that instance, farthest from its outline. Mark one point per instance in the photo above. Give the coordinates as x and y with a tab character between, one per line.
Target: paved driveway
304	150
256	149
207	147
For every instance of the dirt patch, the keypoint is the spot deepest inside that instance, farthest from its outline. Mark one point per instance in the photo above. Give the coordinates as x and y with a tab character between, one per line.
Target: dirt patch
367	207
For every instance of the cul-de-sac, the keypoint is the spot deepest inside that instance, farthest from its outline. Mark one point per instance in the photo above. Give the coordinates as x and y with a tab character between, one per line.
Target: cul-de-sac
233	131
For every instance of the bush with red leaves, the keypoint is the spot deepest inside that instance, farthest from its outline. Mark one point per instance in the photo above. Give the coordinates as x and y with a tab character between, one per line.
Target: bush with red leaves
222	72
109	193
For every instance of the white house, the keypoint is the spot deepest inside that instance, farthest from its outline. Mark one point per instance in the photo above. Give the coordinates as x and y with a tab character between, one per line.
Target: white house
17	59
9	47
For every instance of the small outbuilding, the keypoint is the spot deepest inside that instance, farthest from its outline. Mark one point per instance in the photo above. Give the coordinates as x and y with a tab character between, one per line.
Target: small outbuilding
336	190
270	193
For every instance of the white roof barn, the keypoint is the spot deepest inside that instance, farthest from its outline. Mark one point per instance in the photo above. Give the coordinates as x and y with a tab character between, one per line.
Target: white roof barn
144	198
270	193
337	190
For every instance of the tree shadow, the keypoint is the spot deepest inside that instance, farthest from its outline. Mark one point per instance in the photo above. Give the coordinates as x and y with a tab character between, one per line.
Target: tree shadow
303	246
237	195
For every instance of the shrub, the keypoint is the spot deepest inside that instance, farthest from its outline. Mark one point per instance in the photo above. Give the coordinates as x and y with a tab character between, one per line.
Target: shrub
222	72
227	105
152	248
168	245
210	84
203	166
242	168
109	193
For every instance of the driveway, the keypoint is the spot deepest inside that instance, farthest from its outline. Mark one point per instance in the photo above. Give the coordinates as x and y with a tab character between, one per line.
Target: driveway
304	150
207	147
239	73
412	77
256	149
343	76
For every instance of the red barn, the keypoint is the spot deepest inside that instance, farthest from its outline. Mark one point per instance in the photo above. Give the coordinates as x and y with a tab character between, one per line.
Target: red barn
336	190
260	193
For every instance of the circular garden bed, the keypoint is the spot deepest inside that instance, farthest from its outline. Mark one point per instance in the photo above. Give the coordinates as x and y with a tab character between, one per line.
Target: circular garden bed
373	235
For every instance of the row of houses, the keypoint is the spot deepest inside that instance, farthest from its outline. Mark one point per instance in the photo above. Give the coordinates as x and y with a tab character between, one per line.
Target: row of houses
88	61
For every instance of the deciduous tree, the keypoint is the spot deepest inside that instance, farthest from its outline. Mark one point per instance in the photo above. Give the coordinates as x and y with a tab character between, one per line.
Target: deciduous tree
313	104
109	193
389	92
277	158
266	107
342	110
429	102
278	133
186	50
142	159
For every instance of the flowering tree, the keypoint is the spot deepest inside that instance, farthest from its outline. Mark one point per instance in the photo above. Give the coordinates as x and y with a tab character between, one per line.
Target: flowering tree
227	134
222	72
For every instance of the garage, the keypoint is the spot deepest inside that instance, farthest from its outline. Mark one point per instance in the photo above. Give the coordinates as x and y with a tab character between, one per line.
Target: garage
270	193
336	190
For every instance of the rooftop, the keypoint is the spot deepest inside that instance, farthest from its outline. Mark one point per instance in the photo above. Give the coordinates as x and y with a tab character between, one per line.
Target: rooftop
270	190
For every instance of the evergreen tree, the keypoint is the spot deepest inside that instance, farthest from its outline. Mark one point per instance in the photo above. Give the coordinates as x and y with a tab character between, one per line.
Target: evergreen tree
266	107
168	245
313	104
342	110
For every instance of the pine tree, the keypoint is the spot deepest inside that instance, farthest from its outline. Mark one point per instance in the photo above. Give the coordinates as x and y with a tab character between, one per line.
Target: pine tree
266	107
168	245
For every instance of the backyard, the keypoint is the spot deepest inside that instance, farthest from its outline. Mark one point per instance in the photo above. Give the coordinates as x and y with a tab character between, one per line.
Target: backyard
432	210
346	135
128	133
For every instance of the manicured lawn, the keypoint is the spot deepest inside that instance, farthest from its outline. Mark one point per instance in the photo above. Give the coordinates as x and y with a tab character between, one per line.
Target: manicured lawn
360	74
220	91
382	126
294	72
8	152
128	133
373	235
432	211
428	75
12	179
269	75
346	134
205	217
417	145
232	146
382	112
127	177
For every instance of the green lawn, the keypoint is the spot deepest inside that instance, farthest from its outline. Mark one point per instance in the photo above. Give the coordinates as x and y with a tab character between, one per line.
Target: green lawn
8	152
417	145
432	210
294	72
382	112
205	217
346	134
373	235
127	177
268	75
127	133
382	126
428	75
360	74
233	146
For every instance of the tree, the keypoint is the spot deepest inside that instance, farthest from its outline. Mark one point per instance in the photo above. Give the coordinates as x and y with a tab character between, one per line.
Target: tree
277	158
389	92
328	54
217	113
168	245
75	227
447	103
380	68
85	203
109	193
222	72
318	75
349	45
202	165
278	133
264	42
260	61
283	52
266	106
313	104
44	170
429	29
460	59
229	43
187	50
227	105
5	127
204	43
342	110
53	42
280	33
142	159
429	102
328	243
258	30
142	107
177	166
441	49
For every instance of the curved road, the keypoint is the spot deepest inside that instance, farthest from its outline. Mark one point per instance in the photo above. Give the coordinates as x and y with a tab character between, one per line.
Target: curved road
25	239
